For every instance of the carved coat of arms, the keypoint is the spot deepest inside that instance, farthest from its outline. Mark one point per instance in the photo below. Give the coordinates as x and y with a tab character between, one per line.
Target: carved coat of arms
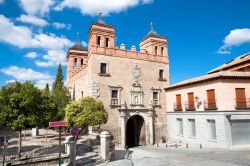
136	72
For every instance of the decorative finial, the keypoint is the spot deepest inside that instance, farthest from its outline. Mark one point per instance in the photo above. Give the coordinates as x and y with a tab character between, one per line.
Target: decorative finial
151	27
100	20
78	37
152	31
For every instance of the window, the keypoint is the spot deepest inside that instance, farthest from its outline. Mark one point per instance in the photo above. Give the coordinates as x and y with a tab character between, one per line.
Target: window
210	103
81	62
161	74
75	62
190	104
211	129
191	126
162	50
107	42
156	50
103	68
155	98
179	127
114	97
240	98
98	42
178	104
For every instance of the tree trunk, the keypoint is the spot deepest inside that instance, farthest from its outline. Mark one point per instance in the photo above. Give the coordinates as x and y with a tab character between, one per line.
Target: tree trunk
20	143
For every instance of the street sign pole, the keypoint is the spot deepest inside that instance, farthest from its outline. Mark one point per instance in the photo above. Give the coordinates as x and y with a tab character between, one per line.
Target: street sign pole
58	124
59	145
4	149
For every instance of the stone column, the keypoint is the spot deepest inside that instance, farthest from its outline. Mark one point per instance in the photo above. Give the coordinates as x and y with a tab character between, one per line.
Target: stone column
151	127
70	148
105	138
123	130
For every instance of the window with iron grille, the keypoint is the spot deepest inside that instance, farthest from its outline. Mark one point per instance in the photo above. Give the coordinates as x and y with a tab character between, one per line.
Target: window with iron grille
114	97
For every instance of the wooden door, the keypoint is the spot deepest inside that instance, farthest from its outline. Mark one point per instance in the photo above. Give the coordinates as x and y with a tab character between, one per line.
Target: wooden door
178	102
240	98
191	101
211	103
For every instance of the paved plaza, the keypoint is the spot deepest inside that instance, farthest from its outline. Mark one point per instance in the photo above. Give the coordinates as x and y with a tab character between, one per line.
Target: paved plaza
159	156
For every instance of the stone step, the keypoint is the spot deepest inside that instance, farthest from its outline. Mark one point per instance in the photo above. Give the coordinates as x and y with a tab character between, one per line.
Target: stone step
94	162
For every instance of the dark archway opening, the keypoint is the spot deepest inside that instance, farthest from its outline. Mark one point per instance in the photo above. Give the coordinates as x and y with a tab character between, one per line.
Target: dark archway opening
135	131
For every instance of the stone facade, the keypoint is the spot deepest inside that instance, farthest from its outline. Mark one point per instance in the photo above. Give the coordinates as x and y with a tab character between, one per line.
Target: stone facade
126	81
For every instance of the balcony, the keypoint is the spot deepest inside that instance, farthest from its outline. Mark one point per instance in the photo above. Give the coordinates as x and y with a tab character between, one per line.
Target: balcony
190	106
243	103
114	102
210	104
177	106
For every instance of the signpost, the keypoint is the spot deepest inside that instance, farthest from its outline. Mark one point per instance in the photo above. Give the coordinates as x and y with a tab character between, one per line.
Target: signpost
75	131
58	124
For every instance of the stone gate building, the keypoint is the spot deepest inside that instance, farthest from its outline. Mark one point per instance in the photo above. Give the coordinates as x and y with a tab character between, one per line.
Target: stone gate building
130	83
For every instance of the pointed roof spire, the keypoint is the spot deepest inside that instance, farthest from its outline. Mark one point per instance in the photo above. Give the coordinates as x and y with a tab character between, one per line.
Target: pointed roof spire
152	31
78	45
100	20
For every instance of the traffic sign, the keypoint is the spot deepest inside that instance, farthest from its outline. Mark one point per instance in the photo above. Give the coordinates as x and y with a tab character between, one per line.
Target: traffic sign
57	124
75	131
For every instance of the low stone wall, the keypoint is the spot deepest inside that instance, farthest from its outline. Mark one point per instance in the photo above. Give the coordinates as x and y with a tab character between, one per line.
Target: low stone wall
40	161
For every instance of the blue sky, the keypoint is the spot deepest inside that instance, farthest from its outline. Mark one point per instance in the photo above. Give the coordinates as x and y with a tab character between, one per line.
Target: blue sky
202	34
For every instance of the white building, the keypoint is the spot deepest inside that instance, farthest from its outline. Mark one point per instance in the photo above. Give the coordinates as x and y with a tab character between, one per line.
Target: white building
214	109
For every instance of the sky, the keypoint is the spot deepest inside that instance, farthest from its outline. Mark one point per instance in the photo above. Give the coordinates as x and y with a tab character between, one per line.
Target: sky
201	34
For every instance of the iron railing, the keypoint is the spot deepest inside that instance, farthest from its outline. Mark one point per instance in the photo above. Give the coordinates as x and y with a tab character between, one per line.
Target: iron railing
210	104
189	106
242	103
178	106
114	101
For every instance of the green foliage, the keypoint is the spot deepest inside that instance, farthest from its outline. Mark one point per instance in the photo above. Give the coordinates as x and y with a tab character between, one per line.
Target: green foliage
46	90
60	93
85	112
22	106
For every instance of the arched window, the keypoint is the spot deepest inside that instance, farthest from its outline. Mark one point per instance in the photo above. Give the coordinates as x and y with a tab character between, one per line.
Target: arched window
107	42
98	42
75	62
81	62
155	50
162	50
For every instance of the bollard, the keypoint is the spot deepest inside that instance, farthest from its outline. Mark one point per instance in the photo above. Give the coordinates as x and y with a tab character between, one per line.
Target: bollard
186	145
105	137
166	145
175	145
200	146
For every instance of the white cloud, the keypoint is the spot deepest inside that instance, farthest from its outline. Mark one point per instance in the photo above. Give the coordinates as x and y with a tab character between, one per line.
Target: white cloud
236	37
23	37
25	74
58	25
42	83
52	58
93	7
32	20
33	7
31	55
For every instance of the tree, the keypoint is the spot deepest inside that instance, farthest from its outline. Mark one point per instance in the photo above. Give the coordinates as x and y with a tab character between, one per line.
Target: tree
60	93
85	112
25	106
46	89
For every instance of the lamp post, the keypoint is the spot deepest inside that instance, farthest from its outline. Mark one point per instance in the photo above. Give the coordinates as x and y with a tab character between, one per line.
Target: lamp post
196	99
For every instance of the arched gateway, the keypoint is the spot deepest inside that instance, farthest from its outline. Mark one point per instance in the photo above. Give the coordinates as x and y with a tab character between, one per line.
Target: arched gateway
135	131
